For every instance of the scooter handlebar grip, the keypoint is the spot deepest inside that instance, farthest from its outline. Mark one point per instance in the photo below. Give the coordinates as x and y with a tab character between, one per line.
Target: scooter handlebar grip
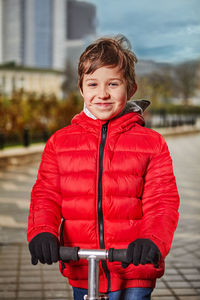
69	253
117	255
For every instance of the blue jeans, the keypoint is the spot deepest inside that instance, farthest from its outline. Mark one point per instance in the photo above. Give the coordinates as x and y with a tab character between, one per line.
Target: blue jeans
127	294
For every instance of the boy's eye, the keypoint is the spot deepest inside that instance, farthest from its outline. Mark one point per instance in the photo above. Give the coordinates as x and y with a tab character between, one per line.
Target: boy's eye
113	84
92	84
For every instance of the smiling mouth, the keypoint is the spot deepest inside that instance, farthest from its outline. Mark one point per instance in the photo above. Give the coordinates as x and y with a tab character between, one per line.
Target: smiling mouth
104	104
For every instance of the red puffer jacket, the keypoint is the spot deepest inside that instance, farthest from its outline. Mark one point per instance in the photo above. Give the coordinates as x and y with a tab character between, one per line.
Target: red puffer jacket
111	182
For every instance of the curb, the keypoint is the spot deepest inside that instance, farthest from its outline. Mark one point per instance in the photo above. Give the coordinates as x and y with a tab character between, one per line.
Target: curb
20	156
179	130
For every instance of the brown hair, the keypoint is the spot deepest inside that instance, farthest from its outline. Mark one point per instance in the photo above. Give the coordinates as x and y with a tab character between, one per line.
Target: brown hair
113	52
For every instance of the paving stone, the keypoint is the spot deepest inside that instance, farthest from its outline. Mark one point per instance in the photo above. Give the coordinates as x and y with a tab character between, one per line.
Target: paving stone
193	277
30	286
7	287
179	284
169	271
195	284
161	292
9	259
56	294
29	273
57	286
188	291
173	277
27	294
7	294
54	279
189	271
5	273
26	267
160	284
8	266
9	279
186	264
25	254
26	279
186	298
158	297
52	273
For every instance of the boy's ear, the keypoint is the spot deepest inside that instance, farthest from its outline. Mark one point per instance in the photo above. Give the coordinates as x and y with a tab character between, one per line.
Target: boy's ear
133	91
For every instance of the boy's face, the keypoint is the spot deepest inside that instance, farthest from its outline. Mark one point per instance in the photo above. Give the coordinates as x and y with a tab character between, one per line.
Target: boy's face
105	92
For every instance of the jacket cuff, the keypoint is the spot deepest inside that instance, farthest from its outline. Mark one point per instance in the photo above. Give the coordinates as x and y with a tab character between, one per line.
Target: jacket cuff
160	244
35	231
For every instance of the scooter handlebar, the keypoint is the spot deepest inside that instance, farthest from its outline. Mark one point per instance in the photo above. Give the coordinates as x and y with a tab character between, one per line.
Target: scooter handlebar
117	255
69	253
74	253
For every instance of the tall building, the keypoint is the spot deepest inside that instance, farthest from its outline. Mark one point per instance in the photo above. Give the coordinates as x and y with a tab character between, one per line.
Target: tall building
11	31
81	28
35	32
81	19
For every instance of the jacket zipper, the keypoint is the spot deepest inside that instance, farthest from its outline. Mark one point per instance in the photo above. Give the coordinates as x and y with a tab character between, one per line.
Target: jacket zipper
100	209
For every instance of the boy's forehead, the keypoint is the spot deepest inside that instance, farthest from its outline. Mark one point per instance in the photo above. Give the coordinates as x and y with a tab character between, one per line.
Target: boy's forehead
107	71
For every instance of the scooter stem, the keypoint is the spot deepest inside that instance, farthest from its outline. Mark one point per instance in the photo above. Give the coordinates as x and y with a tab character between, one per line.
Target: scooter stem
93	272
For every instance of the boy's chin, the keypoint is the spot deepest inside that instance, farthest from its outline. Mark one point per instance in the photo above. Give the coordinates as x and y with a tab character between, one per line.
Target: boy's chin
106	118
105	115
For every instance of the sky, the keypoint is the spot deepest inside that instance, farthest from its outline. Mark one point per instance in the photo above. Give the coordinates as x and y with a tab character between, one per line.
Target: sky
159	30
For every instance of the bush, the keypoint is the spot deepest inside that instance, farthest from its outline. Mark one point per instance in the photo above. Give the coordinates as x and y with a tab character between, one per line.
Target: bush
41	115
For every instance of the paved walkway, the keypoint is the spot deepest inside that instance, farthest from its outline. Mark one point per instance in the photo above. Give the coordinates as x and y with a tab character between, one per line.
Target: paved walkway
20	280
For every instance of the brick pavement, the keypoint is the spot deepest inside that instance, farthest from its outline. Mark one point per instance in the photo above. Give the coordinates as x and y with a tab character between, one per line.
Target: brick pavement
20	280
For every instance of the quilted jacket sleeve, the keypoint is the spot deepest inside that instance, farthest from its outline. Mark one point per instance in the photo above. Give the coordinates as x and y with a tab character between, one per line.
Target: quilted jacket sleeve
45	207
160	200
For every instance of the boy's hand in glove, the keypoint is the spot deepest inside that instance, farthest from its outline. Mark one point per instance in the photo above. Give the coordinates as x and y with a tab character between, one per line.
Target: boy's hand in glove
142	251
45	248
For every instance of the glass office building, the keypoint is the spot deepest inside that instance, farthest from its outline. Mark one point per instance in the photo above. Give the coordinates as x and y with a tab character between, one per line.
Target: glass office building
37	33
30	28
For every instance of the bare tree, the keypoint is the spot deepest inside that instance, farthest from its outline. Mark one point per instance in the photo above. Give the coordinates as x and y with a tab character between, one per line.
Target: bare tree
186	79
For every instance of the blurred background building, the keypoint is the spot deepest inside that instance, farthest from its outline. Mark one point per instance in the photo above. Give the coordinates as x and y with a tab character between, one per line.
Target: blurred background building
32	80
43	34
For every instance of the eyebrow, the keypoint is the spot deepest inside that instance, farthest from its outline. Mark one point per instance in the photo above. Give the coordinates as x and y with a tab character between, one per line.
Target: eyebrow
89	79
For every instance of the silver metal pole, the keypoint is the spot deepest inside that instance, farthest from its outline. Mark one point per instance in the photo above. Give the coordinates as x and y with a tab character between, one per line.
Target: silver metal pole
93	256
98	253
93	278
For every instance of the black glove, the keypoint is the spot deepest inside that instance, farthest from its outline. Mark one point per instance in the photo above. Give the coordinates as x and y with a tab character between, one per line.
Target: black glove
142	251
45	248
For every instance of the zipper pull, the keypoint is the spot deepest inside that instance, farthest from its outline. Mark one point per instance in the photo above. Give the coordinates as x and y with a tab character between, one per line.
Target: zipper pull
104	132
104	129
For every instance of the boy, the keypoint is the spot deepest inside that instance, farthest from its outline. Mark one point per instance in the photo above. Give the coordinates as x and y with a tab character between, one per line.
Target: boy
109	179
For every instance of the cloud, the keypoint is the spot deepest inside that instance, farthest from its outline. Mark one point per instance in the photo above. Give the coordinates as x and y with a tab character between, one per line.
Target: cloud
155	28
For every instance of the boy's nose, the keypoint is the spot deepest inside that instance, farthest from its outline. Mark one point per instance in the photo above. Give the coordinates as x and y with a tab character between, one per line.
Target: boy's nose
103	93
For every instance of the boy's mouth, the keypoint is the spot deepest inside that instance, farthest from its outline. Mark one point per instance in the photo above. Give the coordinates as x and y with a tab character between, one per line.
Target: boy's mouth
104	104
